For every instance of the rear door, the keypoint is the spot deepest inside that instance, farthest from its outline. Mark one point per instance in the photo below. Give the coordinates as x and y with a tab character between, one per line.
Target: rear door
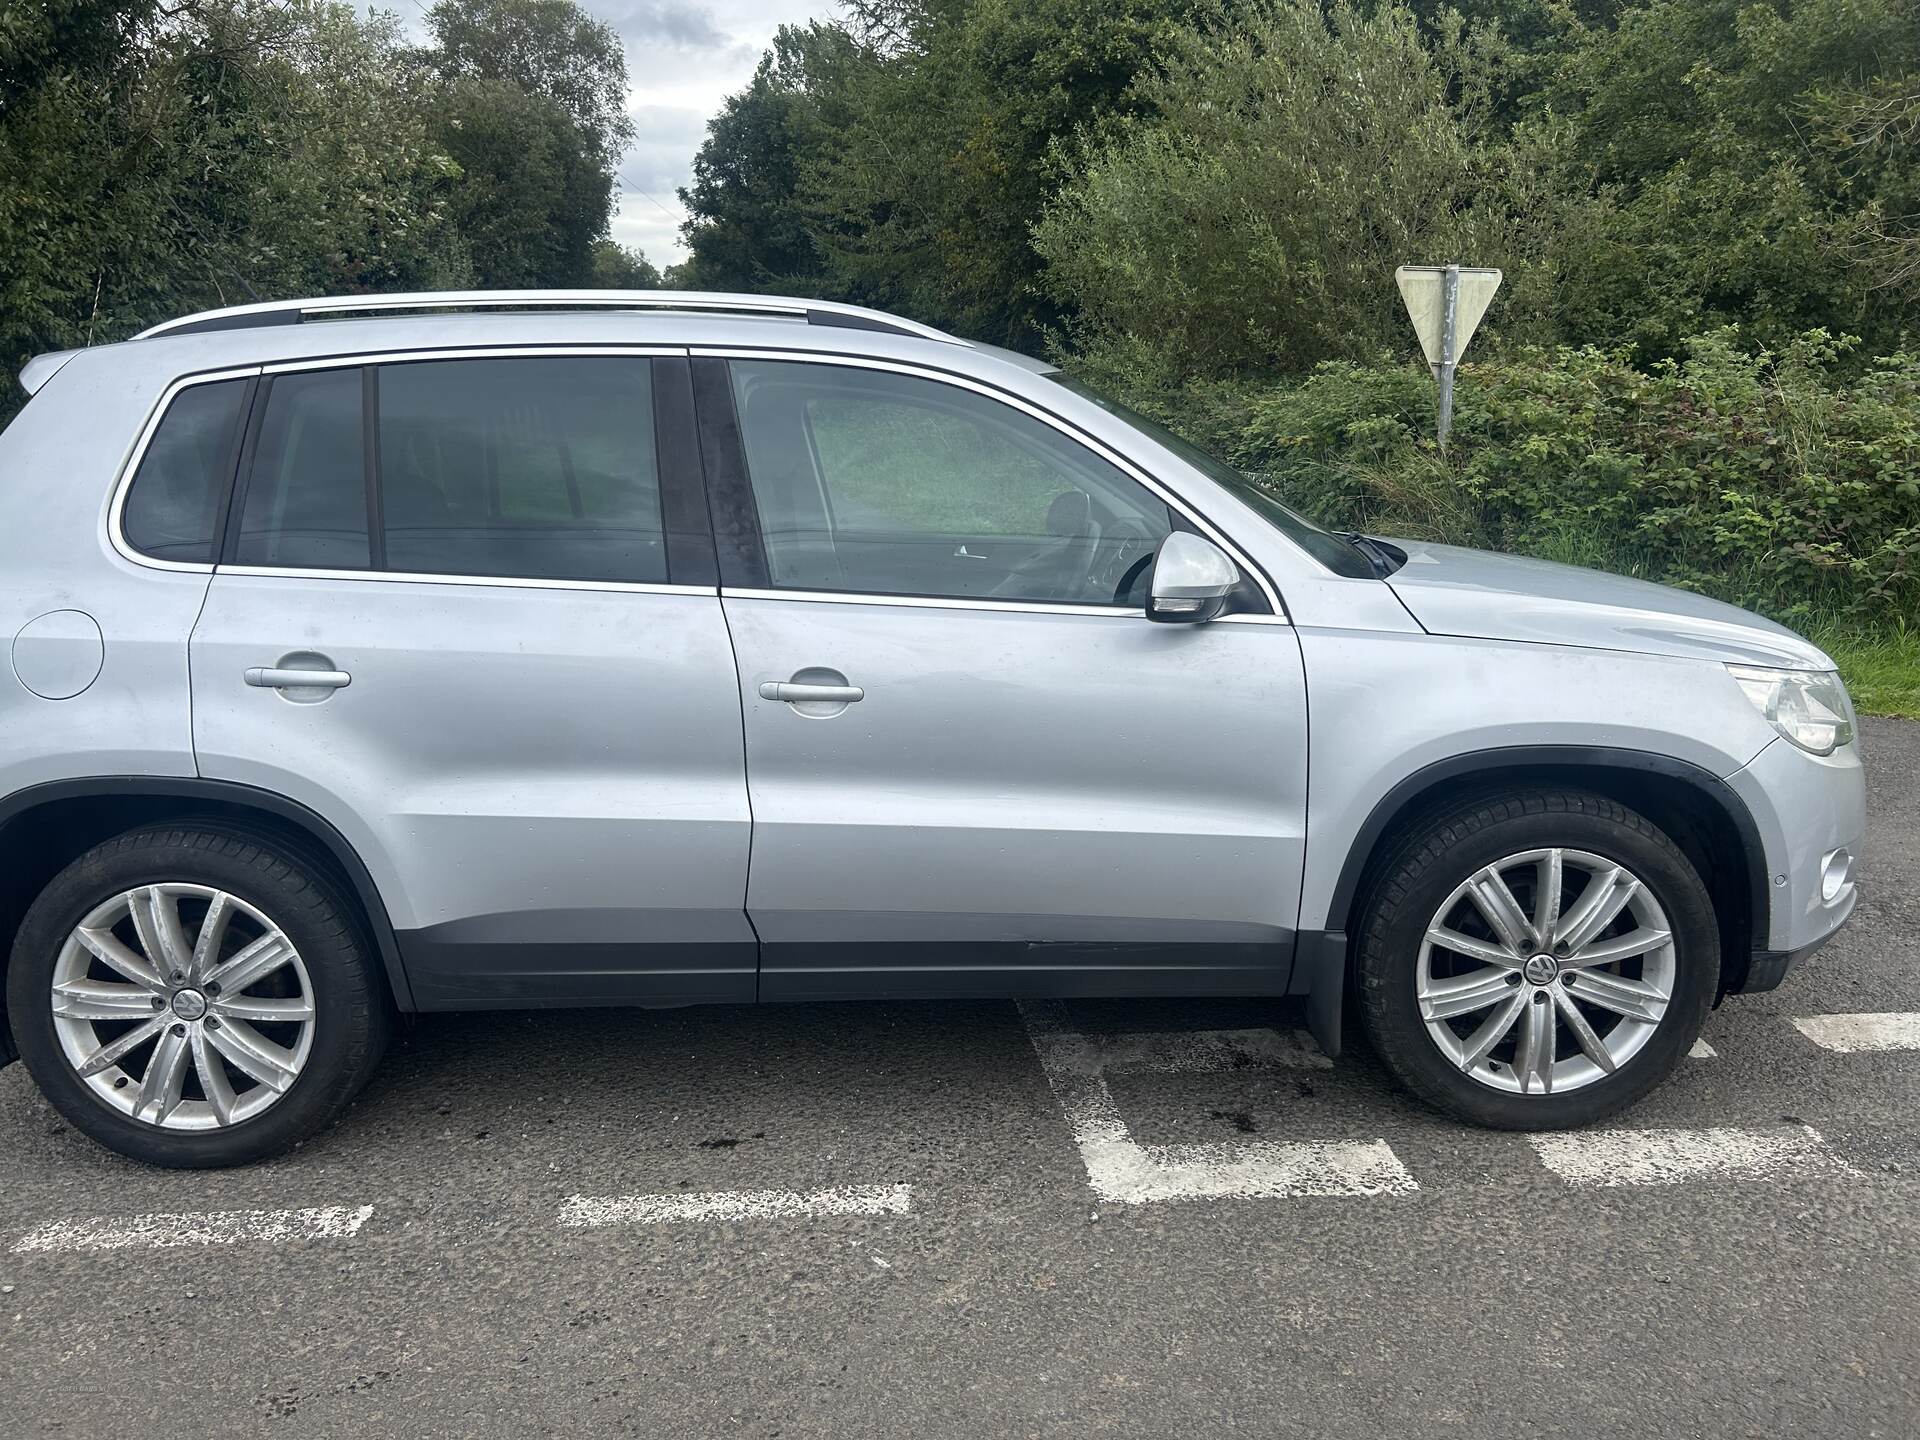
997	776
523	711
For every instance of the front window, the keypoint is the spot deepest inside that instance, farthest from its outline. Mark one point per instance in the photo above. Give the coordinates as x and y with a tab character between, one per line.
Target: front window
877	483
1321	543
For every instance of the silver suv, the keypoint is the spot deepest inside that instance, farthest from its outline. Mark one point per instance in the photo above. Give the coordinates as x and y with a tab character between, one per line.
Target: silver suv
447	652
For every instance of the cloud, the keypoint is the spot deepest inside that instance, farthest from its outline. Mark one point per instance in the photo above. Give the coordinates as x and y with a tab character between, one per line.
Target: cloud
665	140
656	231
678	23
684	57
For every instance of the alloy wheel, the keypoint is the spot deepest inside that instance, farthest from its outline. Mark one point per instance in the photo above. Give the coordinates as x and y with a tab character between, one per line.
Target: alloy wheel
1546	971
184	1033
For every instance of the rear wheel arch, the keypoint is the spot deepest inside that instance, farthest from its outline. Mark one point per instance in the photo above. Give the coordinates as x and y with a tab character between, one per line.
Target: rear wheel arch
44	827
1702	814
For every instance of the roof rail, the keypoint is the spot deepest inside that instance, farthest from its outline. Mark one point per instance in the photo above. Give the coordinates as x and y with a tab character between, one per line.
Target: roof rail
295	312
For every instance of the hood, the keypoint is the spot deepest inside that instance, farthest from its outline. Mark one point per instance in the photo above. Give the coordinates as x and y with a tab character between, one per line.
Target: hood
1453	591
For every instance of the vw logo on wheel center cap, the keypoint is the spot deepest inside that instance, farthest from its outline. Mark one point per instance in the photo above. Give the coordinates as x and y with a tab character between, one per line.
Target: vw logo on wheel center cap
189	1004
1541	969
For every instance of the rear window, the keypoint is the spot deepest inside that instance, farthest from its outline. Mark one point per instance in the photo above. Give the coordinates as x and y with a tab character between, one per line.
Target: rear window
306	503
542	468
172	510
528	468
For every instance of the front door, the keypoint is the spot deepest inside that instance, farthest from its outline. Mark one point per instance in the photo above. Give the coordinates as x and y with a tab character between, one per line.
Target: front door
467	613
975	768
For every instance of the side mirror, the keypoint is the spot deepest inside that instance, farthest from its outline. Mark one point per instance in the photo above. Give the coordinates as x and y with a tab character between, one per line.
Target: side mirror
1192	578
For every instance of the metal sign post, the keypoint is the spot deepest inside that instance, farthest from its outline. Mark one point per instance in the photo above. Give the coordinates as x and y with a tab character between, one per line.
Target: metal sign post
1445	303
1449	326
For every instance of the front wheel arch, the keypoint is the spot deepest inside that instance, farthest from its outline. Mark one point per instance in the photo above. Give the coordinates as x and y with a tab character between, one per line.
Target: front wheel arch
1702	814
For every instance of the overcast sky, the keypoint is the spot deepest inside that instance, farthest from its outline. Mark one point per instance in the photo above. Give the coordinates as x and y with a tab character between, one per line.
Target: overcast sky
683	58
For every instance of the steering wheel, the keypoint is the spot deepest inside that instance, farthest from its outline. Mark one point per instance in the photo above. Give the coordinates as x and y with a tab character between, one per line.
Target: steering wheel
1125	549
1061	568
1059	572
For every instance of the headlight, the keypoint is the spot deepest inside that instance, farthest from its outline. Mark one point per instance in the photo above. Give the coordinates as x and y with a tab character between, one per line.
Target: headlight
1809	707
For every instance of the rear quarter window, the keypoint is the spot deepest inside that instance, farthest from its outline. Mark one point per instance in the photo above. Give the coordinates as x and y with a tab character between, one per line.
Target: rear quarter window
173	506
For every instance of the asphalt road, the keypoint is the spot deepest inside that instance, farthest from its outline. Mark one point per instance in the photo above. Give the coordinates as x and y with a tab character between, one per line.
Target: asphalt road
1752	1270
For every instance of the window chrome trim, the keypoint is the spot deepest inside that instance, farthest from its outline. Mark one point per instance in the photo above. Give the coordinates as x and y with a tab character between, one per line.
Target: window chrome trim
1099	447
129	467
502	582
935	602
941	602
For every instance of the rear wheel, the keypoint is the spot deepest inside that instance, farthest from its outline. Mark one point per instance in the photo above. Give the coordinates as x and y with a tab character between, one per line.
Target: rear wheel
193	998
1536	961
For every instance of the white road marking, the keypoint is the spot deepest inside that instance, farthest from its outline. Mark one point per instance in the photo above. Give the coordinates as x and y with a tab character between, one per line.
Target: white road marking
1609	1158
214	1227
1125	1172
1851	1034
1702	1051
584	1210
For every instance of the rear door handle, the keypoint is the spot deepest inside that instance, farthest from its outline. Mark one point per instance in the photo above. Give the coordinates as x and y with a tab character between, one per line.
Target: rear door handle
271	677
795	694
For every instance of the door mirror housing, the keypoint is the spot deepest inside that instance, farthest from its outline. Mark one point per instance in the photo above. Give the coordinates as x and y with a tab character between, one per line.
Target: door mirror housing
1192	578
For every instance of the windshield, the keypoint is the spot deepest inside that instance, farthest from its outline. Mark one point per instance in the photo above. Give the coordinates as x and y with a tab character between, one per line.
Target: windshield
1318	541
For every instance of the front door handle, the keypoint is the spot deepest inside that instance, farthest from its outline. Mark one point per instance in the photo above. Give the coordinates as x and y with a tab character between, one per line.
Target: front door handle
796	694
272	677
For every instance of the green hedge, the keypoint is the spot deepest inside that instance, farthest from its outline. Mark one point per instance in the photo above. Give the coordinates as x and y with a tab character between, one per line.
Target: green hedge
1786	482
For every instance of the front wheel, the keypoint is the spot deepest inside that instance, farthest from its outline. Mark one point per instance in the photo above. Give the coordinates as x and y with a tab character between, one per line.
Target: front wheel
192	998
1536	961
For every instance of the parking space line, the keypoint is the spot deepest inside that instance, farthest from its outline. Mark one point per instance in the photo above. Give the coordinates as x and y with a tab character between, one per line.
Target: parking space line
1609	1158
1851	1034
1270	1169
1123	1171
214	1227
579	1211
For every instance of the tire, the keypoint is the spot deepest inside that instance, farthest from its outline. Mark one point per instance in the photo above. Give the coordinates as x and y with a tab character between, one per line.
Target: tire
1410	985
317	1001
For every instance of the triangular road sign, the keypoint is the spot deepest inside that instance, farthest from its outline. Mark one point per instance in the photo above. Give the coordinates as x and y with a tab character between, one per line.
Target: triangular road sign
1422	286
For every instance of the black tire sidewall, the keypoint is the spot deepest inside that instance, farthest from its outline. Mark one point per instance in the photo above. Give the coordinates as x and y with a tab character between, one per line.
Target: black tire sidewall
347	1029
1390	954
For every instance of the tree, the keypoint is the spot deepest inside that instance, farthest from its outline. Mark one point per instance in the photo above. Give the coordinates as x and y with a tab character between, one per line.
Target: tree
900	157
529	204
1739	172
231	151
622	267
748	226
551	49
532	108
1251	216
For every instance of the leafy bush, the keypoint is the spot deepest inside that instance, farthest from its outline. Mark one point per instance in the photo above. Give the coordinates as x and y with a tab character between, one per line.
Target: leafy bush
1766	479
1284	160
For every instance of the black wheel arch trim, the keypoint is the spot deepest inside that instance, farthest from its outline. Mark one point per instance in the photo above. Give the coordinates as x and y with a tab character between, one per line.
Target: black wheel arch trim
1407	792
1321	967
316	827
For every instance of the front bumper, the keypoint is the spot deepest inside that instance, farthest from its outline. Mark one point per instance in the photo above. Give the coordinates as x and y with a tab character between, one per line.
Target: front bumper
1806	808
1767	968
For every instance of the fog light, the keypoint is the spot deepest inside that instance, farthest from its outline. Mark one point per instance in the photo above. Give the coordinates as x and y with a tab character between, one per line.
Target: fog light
1836	873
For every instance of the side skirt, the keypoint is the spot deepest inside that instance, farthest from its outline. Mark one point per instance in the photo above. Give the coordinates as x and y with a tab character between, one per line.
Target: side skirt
1009	969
